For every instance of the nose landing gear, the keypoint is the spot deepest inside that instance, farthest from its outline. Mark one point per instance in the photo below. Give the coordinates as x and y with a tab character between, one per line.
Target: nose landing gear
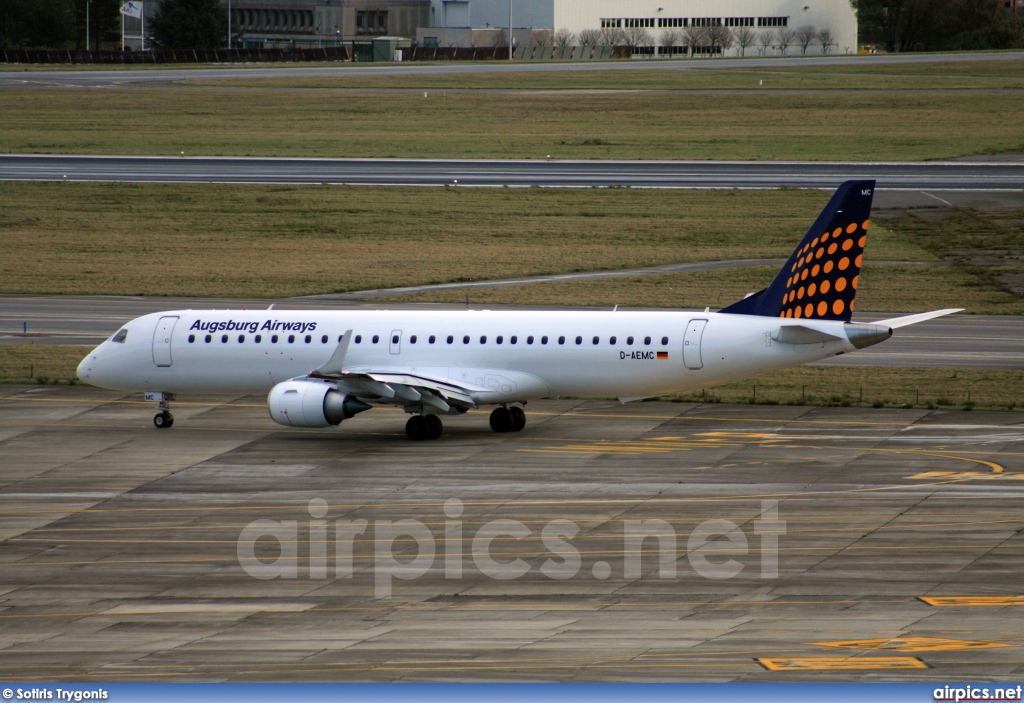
163	419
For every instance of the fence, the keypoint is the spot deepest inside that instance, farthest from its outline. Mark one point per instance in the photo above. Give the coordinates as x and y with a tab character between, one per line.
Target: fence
70	56
301	55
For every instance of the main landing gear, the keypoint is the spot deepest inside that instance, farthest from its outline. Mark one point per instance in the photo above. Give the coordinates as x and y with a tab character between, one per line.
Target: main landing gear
421	427
508	419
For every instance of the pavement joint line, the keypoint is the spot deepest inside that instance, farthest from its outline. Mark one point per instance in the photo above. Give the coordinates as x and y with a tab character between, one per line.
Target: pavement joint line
834	550
488	606
529	521
531	538
487	660
797	496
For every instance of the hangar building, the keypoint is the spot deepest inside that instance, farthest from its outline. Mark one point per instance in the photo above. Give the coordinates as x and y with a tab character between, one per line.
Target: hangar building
656	16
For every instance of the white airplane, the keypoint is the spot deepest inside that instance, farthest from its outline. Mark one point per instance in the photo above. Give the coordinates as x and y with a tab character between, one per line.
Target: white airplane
322	367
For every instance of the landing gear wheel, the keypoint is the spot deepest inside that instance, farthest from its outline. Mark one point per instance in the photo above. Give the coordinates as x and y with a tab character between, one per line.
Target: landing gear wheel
435	426
163	420
417	428
501	420
518	419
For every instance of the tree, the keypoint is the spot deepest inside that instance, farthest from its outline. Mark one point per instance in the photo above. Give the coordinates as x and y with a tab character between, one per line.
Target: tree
825	38
27	24
719	36
564	38
898	25
744	37
785	37
637	36
694	37
938	25
612	36
805	35
670	38
104	22
190	24
766	40
590	37
541	37
500	38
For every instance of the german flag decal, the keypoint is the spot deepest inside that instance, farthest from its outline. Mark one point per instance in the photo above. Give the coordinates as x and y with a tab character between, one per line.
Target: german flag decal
662	355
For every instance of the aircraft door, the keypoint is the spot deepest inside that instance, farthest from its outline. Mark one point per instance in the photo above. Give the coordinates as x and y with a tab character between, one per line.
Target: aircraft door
691	344
162	341
396	341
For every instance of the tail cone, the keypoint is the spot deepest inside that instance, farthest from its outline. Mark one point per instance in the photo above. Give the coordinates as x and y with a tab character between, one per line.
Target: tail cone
862	336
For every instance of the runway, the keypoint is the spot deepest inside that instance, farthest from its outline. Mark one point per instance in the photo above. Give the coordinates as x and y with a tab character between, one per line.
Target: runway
848	544
958	341
955	176
112	78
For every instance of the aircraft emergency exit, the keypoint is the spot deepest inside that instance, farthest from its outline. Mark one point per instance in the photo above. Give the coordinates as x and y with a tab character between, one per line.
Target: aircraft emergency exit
323	367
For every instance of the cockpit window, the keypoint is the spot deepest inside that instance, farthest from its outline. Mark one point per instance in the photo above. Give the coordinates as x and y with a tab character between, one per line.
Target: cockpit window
120	336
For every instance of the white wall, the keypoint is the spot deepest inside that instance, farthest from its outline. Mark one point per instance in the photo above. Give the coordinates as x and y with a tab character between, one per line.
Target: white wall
837	15
576	15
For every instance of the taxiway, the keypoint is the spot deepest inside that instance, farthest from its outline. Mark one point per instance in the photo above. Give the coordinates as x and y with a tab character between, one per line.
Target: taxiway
851	544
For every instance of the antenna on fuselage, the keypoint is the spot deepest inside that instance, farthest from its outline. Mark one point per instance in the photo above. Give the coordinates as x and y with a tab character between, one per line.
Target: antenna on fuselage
271	307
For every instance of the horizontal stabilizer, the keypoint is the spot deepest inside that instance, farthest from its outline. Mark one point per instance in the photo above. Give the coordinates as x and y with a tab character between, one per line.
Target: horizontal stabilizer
908	320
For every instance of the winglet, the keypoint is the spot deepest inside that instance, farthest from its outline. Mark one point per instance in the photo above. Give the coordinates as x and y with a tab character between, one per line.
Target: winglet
907	320
335	366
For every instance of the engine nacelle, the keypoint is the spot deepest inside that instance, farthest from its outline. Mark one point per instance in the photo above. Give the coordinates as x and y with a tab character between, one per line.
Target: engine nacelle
311	404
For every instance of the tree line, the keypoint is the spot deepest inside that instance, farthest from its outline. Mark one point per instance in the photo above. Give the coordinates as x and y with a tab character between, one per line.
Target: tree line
938	25
61	24
712	39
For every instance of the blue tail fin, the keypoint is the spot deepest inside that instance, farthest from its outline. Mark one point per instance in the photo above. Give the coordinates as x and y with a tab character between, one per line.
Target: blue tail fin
819	281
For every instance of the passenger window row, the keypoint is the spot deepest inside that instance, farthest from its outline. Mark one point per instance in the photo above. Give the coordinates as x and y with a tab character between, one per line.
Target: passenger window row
514	339
224	338
450	339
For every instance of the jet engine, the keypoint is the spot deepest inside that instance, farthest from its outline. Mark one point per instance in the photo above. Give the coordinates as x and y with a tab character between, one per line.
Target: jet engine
311	404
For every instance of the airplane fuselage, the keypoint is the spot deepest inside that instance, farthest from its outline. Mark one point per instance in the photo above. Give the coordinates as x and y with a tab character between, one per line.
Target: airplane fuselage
514	355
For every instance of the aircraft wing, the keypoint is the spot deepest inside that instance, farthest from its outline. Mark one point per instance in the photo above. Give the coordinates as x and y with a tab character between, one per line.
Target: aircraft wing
402	388
395	385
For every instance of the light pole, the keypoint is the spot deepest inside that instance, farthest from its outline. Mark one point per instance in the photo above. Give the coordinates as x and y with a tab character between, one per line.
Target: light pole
509	30
229	24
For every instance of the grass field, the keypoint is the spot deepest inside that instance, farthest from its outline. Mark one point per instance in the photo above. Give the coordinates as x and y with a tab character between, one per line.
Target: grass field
659	75
268	241
824	119
271	241
883	288
804	385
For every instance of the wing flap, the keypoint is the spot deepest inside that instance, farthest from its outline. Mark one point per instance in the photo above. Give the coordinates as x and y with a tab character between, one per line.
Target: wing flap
403	388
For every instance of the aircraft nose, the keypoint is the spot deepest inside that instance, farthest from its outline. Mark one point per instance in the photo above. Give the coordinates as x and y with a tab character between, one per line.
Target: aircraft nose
84	370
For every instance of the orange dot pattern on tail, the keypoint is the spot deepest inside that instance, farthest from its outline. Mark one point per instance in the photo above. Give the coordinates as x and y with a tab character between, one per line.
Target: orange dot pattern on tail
831	250
824	279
